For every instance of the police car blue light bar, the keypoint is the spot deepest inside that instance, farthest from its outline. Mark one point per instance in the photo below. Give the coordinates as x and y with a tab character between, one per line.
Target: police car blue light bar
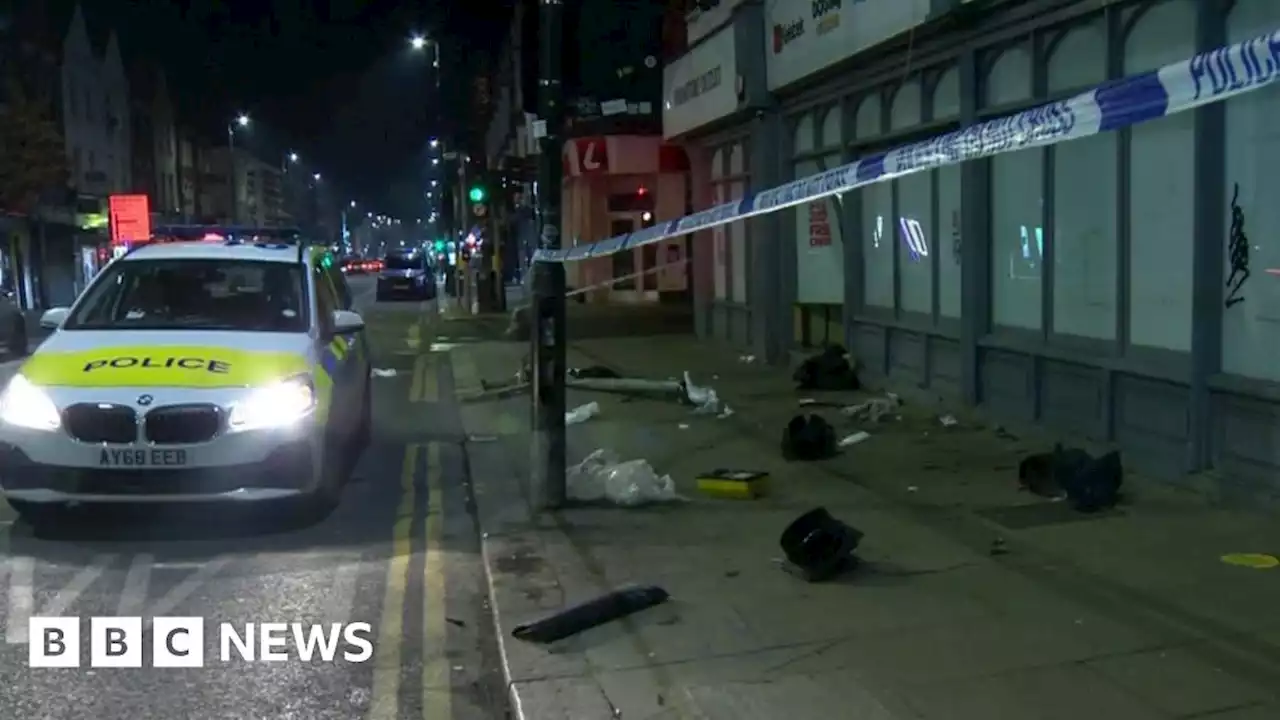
1206	78
200	232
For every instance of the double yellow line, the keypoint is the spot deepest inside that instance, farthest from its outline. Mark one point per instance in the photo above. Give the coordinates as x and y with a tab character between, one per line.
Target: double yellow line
437	698
425	385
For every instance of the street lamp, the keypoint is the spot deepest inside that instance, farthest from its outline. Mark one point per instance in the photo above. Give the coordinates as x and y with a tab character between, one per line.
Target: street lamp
435	161
316	177
417	42
353	203
241	120
435	143
293	157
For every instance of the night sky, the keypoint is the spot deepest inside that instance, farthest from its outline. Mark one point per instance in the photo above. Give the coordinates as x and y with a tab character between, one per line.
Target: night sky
334	81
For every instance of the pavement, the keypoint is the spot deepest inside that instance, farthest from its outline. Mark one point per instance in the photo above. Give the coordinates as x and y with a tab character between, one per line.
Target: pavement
972	600
400	553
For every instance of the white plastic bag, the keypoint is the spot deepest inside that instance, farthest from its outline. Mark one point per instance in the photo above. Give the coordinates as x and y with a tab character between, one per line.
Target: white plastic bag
604	477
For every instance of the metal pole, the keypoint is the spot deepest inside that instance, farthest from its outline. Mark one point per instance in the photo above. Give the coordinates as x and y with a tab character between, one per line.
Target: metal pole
231	168
548	334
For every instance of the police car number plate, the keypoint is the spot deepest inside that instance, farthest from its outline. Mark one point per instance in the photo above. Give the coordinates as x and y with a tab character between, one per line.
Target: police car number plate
142	458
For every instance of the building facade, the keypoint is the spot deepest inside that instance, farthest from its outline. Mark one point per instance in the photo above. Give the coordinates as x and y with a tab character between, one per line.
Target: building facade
155	143
1102	288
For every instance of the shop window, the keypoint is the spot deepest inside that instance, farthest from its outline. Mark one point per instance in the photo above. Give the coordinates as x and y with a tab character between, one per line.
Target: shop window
876	217
1251	323
946	241
719	246
738	230
1084	200
1017	208
1161	189
819	250
913	225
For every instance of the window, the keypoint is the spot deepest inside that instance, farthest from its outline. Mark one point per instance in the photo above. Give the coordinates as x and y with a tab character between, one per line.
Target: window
346	301
1017	207
913	226
326	302
1251	326
877	215
1161	190
403	261
819	247
200	295
1084	200
946	240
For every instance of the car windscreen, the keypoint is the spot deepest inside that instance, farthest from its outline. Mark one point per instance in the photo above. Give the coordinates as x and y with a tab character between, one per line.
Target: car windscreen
403	262
242	295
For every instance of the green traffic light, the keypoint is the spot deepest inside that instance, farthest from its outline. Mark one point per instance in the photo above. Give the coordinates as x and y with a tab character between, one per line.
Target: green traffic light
477	194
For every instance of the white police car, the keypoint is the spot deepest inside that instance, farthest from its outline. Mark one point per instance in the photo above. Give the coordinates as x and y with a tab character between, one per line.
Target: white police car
189	372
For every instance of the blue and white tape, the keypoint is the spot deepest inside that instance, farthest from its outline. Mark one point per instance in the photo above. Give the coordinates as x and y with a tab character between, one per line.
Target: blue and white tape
1206	78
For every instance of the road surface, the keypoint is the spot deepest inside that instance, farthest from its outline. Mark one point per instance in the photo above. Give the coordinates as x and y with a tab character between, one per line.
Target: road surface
400	553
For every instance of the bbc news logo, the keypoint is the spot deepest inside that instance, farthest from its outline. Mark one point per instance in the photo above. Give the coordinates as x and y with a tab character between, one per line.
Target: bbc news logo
179	642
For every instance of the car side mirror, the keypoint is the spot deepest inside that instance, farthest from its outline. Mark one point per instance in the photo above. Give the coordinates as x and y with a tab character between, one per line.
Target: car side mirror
53	318
346	322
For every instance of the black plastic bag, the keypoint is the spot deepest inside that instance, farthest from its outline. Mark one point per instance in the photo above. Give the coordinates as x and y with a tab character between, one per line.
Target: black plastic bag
828	370
808	437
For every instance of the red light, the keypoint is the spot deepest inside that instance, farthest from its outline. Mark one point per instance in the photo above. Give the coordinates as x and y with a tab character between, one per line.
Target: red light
642	191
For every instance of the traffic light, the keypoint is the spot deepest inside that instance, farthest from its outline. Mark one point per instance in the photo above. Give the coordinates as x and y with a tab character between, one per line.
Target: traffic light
440	246
477	194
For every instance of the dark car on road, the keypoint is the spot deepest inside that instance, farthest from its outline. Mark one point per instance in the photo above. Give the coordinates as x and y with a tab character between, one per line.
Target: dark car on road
407	275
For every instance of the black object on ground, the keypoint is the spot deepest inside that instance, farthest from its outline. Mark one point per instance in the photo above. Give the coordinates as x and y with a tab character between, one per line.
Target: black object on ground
606	608
819	546
808	437
828	370
1090	484
594	372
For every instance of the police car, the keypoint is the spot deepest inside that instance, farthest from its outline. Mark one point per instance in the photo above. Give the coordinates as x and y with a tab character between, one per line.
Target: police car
193	371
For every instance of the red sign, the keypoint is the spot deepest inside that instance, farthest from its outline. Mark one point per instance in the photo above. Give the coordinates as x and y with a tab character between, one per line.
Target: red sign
819	224
130	218
586	156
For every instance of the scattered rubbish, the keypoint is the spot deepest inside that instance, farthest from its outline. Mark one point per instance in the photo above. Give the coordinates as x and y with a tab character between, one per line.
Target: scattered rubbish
482	438
582	413
998	547
631	386
683	426
808	437
732	573
727	412
1090	484
948	421
733	484
607	608
383	372
828	370
593	372
703	399
818	546
912	489
604	477
854	439
1253	561
456	623
746	358
1004	434
813	402
490	392
874	410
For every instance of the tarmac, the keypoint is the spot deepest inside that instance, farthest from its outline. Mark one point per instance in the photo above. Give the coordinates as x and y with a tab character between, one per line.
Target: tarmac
971	601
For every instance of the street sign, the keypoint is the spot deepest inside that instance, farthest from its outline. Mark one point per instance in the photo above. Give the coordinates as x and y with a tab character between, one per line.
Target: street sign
479	210
130	218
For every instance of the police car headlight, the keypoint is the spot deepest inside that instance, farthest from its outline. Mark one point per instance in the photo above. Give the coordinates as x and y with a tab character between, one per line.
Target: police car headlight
25	405
279	405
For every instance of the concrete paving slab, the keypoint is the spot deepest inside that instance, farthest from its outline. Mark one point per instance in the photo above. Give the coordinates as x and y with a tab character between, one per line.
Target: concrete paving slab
1176	681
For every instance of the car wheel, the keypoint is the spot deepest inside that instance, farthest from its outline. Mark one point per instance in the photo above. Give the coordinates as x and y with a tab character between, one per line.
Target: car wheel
18	338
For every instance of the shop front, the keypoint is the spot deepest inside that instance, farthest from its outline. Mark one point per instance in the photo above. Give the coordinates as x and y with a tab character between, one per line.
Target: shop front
709	95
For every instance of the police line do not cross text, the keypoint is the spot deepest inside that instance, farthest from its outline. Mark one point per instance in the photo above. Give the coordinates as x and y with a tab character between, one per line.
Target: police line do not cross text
179	642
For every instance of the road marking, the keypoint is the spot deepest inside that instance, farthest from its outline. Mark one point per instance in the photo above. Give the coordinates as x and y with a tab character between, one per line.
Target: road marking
413	338
384	705
426	384
437	686
136	584
22	571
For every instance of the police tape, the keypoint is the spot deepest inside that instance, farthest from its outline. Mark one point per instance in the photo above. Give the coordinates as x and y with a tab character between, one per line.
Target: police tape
1208	77
614	281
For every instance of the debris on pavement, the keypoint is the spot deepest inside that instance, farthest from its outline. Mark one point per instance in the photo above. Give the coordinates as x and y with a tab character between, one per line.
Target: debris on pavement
998	547
604	477
704	400
818	546
1090	484
948	421
384	372
830	369
854	439
874	410
808	437
628	386
593	372
606	608
733	484
582	413
1253	561
746	358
